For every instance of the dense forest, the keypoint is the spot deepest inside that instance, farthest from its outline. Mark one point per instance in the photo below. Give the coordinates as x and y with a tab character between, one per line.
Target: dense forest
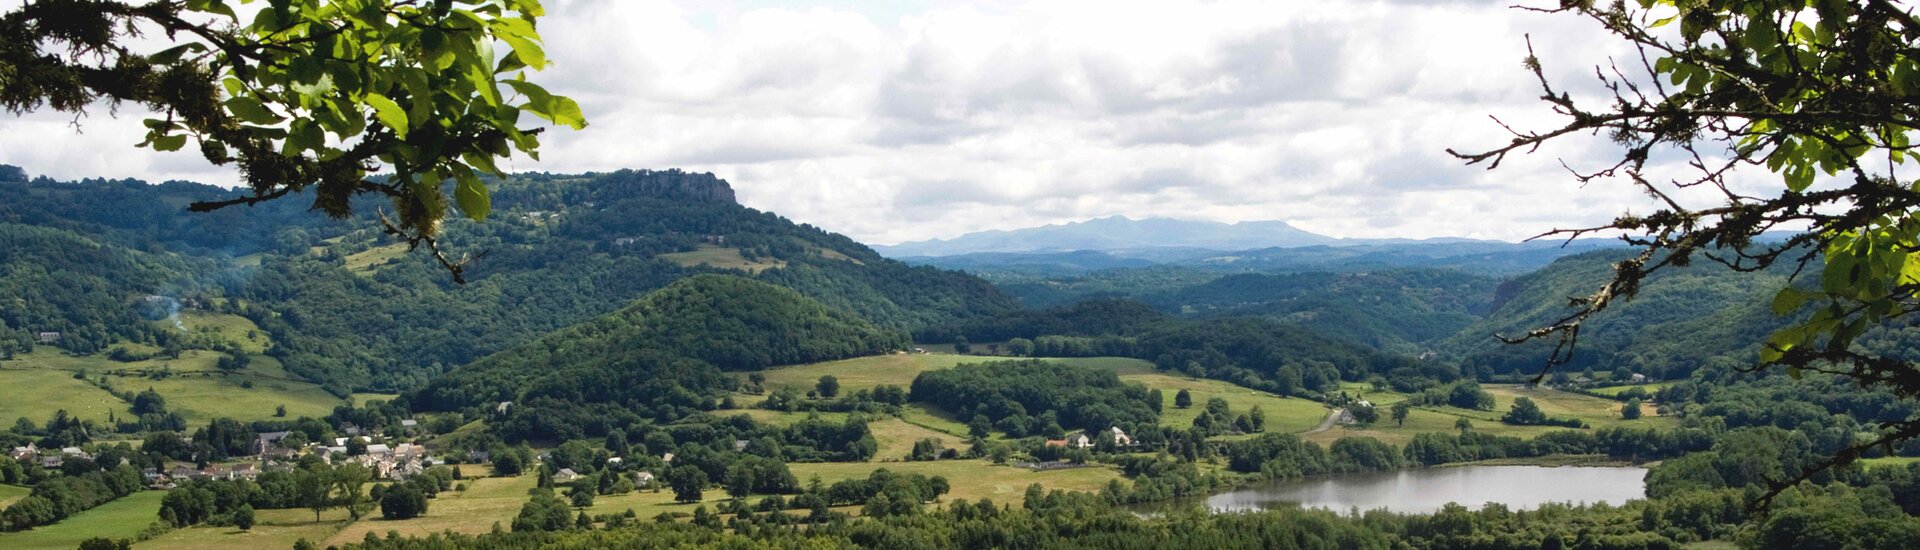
350	310
660	358
1039	398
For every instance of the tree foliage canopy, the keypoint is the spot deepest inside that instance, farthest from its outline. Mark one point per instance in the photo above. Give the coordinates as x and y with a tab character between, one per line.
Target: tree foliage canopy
305	94
1821	94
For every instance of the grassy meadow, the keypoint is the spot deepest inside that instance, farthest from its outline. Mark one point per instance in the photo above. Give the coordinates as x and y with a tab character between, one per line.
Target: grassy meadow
11	493
1284	414
722	258
1595	411
122	518
193	385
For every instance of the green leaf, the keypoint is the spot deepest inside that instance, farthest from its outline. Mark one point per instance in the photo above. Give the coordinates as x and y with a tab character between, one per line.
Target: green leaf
528	50
1789	299
470	193
171	142
389	113
251	110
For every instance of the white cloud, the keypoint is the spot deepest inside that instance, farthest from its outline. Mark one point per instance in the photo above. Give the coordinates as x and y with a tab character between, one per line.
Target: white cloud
895	121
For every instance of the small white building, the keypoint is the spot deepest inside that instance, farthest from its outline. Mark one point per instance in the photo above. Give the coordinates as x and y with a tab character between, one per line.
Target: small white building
1638	378
1079	441
1120	437
566	475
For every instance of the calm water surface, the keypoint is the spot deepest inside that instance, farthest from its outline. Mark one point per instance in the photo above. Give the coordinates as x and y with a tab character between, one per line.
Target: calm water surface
1425	491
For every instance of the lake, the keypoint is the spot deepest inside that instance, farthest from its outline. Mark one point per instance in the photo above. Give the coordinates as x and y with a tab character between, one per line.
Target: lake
1426	490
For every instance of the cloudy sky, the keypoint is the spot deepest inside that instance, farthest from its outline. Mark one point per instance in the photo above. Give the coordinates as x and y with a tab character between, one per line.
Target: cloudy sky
901	120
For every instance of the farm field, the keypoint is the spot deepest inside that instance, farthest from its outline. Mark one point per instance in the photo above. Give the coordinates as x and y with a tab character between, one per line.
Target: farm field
234	329
272	529
202	397
1889	461
1615	390
720	257
971	479
369	261
486	501
1283	414
1597	412
897	437
196	388
35	394
120	519
11	493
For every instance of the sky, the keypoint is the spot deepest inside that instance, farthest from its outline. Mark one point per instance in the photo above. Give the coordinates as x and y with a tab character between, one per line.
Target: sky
893	121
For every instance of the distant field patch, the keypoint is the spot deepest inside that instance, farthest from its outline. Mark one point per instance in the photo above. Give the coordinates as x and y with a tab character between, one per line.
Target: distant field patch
485	502
1597	412
202	397
720	257
121	518
897	437
11	493
234	329
971	479
369	261
272	529
1616	390
1889	462
1284	414
37	393
899	369
781	419
362	398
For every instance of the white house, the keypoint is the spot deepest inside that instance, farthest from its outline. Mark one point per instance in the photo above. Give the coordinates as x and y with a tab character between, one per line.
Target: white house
1638	378
566	475
1120	437
1079	441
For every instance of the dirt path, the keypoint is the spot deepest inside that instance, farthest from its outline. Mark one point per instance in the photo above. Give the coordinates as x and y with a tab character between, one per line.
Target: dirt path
1326	424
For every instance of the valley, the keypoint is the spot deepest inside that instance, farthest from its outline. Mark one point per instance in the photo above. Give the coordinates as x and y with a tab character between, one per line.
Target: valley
638	354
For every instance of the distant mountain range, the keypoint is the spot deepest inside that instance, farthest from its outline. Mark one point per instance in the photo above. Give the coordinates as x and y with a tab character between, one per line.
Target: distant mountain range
1121	242
1118	233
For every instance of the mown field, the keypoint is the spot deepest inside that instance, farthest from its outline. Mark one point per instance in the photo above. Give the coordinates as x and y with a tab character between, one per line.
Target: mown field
971	479
1616	390
722	258
11	493
1889	461
121	518
1283	414
43	382
485	502
1595	411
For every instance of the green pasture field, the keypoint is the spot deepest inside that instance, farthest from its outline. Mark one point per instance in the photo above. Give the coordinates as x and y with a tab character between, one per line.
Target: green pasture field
121	518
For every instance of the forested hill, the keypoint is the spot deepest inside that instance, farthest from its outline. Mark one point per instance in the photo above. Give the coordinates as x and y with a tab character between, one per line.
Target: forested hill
347	307
673	342
1681	320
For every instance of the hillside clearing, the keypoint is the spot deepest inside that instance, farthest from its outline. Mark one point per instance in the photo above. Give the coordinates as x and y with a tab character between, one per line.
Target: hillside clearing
719	257
121	518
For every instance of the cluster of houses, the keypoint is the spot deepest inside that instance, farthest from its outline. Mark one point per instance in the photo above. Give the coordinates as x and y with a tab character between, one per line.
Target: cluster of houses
1582	381
32	454
170	478
1084	441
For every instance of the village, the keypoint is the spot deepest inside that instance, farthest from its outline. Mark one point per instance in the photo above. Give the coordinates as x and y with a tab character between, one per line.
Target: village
392	462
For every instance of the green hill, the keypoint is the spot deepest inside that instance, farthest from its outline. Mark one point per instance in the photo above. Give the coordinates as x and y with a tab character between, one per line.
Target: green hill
660	356
346	307
1682	319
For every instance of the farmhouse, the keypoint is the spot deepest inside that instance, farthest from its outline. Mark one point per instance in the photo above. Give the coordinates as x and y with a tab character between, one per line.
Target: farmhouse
1120	437
566	475
1638	378
1079	441
47	337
